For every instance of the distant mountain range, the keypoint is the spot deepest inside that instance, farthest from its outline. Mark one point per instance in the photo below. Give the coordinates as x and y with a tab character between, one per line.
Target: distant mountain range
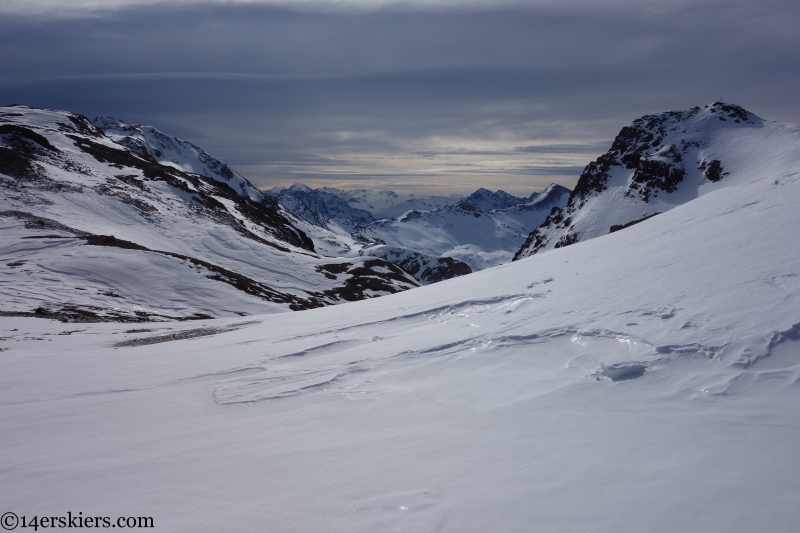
464	231
431	237
361	206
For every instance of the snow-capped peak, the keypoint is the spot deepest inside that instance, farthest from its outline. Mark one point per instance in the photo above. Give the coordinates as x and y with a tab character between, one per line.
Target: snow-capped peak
300	187
488	200
656	163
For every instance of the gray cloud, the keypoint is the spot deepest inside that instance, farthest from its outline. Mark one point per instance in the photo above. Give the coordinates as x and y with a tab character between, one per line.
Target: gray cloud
438	98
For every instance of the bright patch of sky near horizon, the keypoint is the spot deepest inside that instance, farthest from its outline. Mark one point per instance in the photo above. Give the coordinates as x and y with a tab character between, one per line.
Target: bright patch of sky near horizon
416	96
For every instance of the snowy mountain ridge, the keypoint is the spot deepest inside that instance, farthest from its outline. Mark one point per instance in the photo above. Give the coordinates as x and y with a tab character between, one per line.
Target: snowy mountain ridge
320	207
96	230
152	144
488	200
380	204
656	163
388	204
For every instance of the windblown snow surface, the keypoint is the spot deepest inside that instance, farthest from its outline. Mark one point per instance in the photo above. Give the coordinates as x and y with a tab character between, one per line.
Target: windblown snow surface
642	381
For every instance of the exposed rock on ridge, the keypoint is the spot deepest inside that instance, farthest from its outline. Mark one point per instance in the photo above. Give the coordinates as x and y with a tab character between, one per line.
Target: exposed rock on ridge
655	163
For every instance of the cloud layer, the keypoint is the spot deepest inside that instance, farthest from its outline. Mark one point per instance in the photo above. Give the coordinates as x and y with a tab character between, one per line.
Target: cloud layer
435	96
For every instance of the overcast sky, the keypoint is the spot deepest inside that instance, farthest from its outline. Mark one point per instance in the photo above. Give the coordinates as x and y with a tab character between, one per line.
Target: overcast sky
419	96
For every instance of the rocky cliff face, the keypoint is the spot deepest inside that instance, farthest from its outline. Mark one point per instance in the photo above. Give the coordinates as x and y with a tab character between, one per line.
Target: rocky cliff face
654	164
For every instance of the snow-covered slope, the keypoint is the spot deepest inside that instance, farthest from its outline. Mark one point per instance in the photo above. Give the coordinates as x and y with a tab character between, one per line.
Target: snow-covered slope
645	380
464	231
164	149
92	229
658	162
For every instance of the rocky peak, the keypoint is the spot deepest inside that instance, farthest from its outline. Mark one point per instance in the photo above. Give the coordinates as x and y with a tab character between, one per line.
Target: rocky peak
650	159
488	200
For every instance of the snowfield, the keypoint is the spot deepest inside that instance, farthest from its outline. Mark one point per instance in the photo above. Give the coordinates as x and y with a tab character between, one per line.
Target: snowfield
641	381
